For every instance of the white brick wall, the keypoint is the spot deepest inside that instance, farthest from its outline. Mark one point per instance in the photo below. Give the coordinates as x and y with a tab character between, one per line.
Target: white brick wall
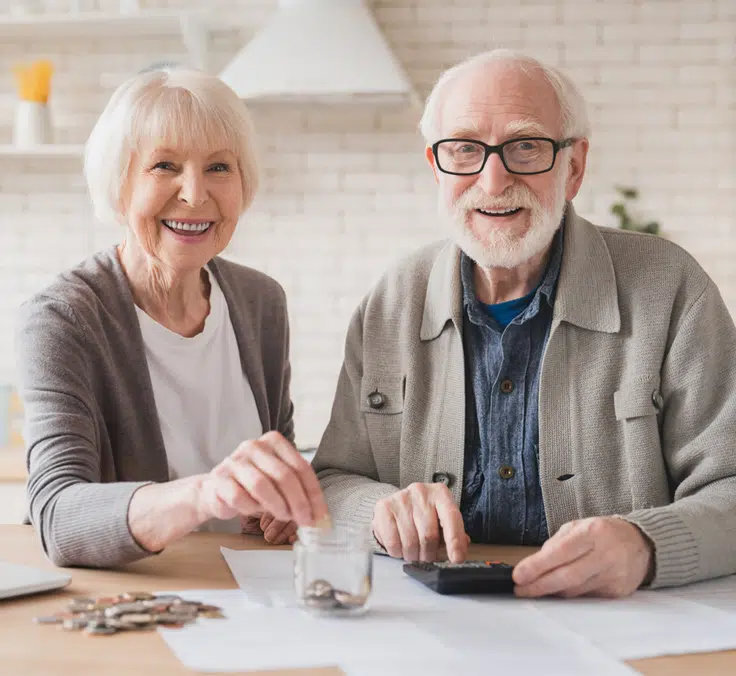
347	192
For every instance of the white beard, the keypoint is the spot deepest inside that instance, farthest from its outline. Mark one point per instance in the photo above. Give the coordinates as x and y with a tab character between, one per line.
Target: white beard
499	247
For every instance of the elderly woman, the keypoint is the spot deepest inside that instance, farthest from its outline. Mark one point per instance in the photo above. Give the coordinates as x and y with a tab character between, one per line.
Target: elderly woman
155	375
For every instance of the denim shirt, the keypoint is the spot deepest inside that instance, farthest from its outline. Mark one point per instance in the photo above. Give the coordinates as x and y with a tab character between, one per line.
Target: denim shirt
502	496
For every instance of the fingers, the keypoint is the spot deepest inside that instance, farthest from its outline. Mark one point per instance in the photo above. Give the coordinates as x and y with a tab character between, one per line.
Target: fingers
230	498
279	532
385	529
566	580
453	529
257	483
410	523
305	473
266	519
427	529
561	549
250	525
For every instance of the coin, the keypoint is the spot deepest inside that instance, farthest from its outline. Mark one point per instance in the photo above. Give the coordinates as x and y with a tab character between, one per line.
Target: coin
129	611
99	631
137	596
350	600
74	624
212	615
324	521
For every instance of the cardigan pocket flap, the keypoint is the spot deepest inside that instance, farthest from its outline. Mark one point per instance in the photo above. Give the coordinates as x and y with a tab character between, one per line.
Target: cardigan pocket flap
636	401
382	394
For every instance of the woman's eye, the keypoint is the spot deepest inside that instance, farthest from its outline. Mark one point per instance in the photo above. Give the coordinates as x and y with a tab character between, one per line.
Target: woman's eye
220	166
163	165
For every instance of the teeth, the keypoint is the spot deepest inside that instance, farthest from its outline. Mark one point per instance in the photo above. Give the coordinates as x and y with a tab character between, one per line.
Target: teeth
499	212
188	227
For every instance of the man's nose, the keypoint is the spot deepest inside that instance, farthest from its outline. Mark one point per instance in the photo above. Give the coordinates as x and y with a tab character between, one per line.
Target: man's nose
494	178
193	190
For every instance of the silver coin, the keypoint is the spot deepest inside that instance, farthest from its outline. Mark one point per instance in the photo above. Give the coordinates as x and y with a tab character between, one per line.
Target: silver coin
100	630
319	589
50	619
321	602
74	623
350	600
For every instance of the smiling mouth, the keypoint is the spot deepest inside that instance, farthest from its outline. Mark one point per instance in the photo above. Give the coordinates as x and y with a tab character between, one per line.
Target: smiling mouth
181	228
499	212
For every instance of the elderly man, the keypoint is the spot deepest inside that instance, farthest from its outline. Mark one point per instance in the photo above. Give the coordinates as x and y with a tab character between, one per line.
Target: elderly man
539	380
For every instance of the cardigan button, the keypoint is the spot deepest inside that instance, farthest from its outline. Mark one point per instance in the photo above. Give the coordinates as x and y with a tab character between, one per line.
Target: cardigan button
442	478
657	400
376	400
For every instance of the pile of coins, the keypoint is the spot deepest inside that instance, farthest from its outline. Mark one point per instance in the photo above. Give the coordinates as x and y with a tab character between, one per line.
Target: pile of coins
321	595
138	611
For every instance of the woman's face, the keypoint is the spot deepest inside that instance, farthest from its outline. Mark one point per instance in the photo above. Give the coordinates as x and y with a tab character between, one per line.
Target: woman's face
182	205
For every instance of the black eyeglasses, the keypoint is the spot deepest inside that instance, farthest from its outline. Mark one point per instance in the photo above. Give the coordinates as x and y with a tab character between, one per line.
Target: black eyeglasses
464	157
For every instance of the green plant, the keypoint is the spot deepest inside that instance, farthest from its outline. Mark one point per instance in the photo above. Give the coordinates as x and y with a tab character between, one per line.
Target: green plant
627	221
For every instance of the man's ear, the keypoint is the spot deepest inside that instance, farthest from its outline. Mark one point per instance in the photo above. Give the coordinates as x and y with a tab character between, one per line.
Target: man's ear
578	160
430	158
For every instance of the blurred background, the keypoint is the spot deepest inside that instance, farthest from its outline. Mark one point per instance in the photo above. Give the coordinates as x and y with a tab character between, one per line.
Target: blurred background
346	190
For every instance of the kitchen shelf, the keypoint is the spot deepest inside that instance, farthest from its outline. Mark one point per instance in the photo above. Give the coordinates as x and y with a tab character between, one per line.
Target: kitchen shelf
192	26
43	151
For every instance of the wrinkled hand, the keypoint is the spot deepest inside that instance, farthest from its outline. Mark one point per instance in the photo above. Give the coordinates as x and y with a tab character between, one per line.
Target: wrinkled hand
274	532
413	522
267	475
600	556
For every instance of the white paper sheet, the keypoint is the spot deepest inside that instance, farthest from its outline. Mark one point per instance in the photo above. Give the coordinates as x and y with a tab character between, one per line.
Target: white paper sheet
427	643
719	594
409	629
647	624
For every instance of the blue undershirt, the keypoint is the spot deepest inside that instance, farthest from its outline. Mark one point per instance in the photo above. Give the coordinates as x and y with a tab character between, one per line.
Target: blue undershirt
505	313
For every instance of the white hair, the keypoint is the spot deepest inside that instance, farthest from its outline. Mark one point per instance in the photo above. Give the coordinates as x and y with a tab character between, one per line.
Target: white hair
572	104
184	107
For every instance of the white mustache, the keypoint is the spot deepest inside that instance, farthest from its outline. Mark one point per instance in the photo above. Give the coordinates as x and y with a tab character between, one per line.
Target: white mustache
514	198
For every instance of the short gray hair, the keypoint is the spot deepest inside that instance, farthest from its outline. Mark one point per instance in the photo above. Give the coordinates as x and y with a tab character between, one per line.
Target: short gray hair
573	110
179	105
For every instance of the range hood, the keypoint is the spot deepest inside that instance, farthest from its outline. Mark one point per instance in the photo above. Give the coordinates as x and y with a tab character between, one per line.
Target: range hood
323	51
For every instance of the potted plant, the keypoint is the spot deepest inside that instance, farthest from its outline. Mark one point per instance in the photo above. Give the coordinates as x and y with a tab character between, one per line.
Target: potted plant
626	220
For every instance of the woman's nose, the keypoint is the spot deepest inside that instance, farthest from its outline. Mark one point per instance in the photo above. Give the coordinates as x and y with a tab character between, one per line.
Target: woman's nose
192	190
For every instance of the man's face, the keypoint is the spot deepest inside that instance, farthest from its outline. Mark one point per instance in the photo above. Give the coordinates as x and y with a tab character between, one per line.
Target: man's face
498	218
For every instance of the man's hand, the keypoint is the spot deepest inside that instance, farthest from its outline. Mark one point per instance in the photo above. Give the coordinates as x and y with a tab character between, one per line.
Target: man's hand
600	556
412	523
273	531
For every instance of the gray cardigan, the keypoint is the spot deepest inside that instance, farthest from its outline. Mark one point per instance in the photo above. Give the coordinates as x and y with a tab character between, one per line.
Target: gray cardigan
91	427
637	398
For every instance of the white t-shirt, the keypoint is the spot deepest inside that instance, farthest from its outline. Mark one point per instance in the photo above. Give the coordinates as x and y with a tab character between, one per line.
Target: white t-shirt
204	401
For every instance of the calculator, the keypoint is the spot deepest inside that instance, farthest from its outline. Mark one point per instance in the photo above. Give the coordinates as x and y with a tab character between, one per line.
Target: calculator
470	577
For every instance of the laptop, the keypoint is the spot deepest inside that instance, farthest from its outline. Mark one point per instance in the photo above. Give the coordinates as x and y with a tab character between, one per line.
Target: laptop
17	580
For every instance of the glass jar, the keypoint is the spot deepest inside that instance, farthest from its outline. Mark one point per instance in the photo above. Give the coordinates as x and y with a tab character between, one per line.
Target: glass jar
333	569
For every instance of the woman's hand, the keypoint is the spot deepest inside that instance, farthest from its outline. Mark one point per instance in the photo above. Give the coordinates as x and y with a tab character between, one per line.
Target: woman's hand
268	476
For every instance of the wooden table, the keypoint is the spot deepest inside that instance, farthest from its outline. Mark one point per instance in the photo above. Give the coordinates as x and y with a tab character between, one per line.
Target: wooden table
193	563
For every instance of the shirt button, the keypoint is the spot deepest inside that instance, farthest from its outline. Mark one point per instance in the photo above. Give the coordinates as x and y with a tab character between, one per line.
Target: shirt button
506	472
507	386
376	400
